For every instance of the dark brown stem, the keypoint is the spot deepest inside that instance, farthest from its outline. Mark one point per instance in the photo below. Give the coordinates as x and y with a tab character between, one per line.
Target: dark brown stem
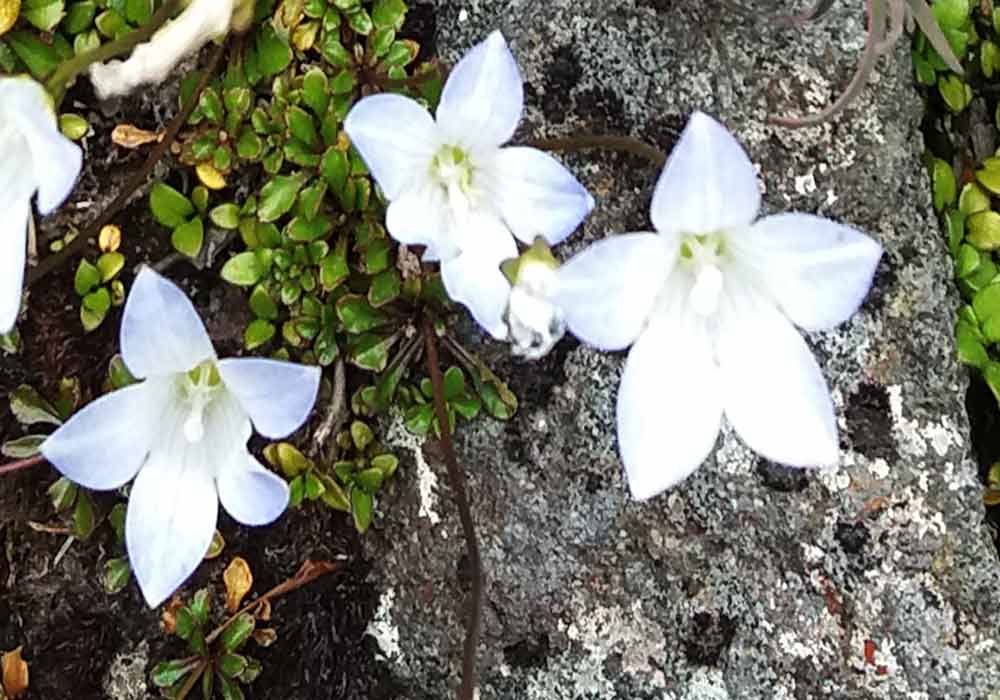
197	673
20	464
583	142
457	478
79	244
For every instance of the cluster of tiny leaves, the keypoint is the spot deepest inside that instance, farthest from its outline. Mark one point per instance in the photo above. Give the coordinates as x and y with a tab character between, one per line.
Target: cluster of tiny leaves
968	201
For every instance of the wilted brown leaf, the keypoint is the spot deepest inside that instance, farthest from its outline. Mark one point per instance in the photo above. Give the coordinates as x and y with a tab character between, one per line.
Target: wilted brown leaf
238	581
109	239
15	673
168	618
262	610
265	636
128	136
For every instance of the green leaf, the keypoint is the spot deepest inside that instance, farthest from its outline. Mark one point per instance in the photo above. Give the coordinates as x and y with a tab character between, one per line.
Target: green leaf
335	53
170	208
357	315
951	14
983	230
342	83
361	435
296	491
262	304
116	518
454	383
229	689
385	288
243	269
29	407
986	303
87	277
417	419
109	265
273	53
116	575
168	673
989	58
386	463
377	256
989	176
62	494
969	345
944	184
370	351
973	200
389	13
315	91
956	94
967	260
335	168
237	633
955	224
369	480
23	447
278	196
79	17
200	606
361	509
188	237
84	516
360	21
257	333
301	125
232	665
40	58
44	14
313	486
333	494
226	216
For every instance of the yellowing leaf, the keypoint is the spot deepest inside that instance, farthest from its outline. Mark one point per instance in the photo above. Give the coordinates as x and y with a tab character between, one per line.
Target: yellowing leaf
9	9
15	673
128	136
238	581
110	238
216	547
210	177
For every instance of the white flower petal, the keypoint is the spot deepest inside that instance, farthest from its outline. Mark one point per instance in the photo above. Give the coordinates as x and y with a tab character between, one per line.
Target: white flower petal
669	408
817	270
774	394
278	396
396	137
474	278
13	242
483	97
161	332
536	195
607	291
250	493
708	183
420	216
172	511
103	445
55	160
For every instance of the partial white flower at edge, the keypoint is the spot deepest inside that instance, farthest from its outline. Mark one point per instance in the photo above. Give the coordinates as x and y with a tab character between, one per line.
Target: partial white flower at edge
708	305
182	434
534	321
151	63
453	188
34	156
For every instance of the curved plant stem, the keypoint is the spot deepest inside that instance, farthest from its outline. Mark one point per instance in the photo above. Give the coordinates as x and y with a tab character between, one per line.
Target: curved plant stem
193	677
457	478
50	263
56	84
20	464
583	142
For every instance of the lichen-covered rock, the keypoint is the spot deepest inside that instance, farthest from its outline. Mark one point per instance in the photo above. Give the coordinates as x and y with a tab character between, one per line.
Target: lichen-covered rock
749	580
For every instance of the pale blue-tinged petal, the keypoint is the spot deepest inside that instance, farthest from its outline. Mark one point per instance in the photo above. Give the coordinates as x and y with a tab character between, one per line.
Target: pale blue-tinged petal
278	396
608	291
483	97
172	511
250	493
818	271
474	278
708	184
161	332
774	394
13	242
55	160
105	443
420	216
536	195
669	407
227	429
397	139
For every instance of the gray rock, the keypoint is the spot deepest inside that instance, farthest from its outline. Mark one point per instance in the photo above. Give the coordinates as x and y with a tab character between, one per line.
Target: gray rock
749	580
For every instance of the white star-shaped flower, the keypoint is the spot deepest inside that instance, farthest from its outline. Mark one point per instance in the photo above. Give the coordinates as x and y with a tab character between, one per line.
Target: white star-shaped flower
453	188
182	434
34	156
708	305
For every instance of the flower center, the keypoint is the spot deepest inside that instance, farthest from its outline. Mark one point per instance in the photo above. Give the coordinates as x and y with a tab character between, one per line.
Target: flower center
703	256
200	387
452	169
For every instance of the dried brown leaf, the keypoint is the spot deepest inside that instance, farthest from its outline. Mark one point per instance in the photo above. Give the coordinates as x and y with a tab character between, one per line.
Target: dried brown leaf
15	673
128	136
239	581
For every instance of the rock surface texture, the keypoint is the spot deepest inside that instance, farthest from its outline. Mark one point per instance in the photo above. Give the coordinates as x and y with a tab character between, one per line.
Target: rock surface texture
749	580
